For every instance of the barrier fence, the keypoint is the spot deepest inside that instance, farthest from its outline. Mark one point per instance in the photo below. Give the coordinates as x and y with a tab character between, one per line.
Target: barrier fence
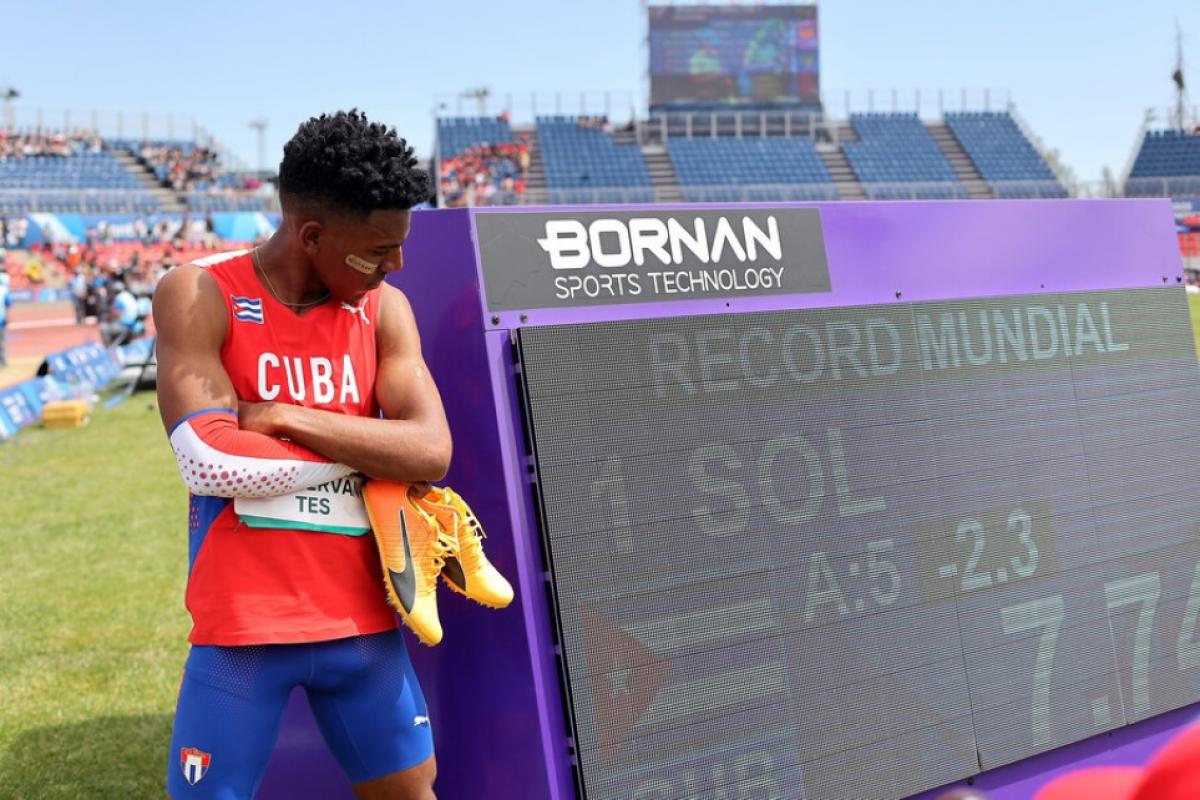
73	373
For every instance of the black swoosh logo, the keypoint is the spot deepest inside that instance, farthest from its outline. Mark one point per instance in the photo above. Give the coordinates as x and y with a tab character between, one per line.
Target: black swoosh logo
454	572
404	583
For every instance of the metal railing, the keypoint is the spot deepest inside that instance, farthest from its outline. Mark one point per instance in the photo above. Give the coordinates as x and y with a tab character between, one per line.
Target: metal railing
1033	189
758	193
125	201
1180	186
621	105
209	203
79	201
523	108
117	124
922	102
665	125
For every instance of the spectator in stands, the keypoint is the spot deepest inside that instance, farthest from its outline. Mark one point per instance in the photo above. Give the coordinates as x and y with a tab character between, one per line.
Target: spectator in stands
5	304
14	232
486	174
123	324
78	287
33	270
29	145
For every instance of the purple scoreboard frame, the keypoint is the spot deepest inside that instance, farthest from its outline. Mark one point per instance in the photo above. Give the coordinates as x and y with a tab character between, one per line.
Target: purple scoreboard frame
493	685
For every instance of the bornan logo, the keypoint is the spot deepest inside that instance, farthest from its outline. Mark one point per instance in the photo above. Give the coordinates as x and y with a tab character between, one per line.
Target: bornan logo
616	243
195	764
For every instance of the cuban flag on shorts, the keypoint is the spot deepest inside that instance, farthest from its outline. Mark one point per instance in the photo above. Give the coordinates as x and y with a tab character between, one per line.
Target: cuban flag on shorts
247	309
194	763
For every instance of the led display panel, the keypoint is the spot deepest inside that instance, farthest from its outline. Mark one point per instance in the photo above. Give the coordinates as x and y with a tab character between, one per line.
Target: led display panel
870	550
734	54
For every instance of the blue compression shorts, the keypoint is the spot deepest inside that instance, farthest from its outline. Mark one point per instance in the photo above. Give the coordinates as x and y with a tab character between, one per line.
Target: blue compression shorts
362	691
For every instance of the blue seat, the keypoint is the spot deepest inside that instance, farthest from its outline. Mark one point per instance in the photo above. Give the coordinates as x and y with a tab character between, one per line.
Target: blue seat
589	161
1004	157
767	169
1167	164
895	152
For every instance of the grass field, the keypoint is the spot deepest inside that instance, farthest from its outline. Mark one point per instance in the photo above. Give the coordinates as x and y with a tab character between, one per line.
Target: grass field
92	625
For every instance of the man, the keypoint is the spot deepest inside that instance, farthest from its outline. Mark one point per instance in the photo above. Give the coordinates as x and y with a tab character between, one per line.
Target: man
78	287
123	324
5	304
278	369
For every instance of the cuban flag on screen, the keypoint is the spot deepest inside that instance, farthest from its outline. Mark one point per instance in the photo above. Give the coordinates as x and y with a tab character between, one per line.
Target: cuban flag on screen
247	309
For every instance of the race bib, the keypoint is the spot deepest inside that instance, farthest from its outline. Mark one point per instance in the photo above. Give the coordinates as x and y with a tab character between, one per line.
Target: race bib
335	506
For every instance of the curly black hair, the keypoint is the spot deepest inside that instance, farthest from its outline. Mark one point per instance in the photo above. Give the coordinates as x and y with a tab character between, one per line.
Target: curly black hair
346	162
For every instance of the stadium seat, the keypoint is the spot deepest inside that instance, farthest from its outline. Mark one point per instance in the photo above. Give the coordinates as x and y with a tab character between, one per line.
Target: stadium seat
456	134
1004	157
896	158
1167	164
586	164
755	169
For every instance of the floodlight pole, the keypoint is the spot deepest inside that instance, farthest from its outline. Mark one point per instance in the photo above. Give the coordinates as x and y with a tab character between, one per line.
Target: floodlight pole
260	128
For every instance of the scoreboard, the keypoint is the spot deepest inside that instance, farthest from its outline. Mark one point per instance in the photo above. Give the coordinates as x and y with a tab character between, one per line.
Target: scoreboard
807	501
733	54
867	551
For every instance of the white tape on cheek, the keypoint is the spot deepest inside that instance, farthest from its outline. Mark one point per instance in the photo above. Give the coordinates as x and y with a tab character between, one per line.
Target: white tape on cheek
361	264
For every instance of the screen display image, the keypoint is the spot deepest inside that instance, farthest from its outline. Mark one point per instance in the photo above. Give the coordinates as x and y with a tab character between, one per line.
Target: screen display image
733	54
870	550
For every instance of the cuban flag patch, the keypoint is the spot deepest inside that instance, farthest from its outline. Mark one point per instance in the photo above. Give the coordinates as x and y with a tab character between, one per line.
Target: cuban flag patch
247	309
195	764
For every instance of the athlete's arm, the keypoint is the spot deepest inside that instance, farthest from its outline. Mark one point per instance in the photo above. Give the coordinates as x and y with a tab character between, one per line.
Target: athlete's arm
412	442
199	405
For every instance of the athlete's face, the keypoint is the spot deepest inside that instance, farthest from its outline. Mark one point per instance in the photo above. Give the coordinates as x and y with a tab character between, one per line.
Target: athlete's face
353	255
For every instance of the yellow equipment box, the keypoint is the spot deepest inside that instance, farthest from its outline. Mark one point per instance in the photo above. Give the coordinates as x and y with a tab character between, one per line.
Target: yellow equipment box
65	414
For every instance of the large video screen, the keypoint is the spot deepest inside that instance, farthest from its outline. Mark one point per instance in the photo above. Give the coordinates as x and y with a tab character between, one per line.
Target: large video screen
867	551
733	54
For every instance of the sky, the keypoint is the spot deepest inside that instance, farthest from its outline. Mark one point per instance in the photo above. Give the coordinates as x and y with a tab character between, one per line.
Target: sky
1081	74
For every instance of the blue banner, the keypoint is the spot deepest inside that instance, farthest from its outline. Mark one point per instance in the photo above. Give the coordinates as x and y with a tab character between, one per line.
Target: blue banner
18	408
40	295
243	226
135	353
74	373
90	363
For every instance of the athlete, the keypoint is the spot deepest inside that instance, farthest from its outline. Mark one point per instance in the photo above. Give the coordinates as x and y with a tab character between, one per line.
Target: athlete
290	366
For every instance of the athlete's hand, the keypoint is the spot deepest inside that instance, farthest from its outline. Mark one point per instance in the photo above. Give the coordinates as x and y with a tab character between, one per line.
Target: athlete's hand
259	417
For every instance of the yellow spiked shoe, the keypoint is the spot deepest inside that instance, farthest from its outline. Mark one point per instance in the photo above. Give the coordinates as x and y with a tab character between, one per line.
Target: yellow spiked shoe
467	571
412	552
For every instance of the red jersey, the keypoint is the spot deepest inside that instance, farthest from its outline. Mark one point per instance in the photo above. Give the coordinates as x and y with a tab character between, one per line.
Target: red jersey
256	585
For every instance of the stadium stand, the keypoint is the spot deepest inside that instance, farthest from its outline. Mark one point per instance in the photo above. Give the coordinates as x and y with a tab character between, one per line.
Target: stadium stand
480	162
76	201
585	165
81	173
457	134
1004	157
711	170
1167	164
74	172
712	154
896	158
200	202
